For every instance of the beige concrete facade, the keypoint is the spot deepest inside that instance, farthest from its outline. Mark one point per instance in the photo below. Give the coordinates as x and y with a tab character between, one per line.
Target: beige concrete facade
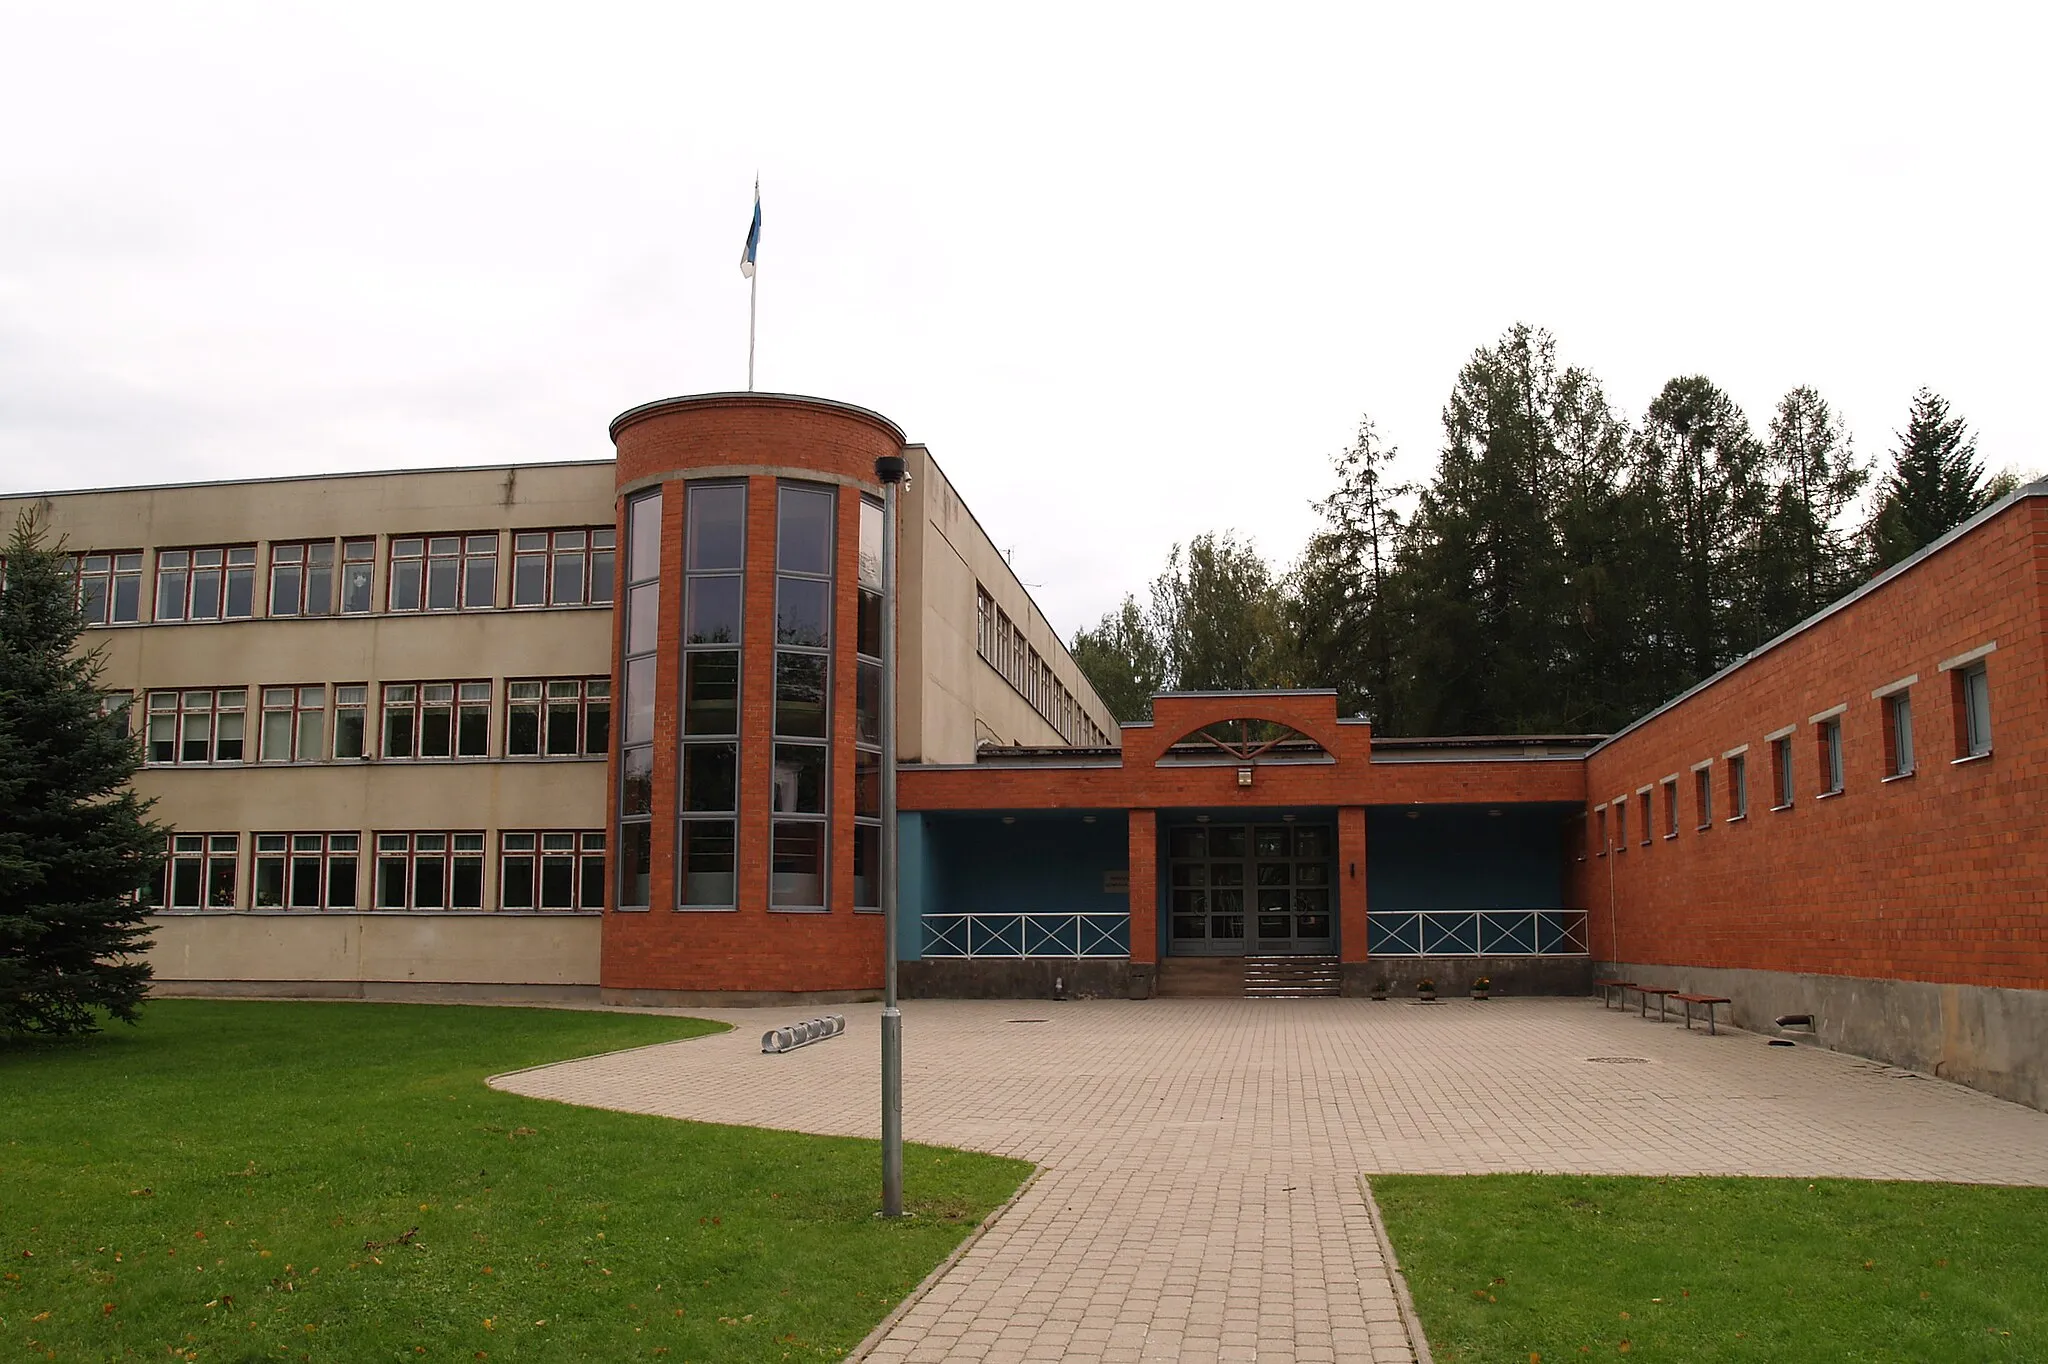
959	701
949	699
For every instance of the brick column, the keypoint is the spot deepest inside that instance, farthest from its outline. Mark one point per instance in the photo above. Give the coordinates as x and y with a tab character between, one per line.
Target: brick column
1351	931
1144	900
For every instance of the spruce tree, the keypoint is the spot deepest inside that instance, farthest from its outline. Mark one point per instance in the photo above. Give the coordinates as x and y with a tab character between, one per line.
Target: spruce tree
1936	482
75	840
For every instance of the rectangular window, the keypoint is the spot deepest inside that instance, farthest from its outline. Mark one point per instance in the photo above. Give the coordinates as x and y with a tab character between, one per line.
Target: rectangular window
358	575
1973	710
563	717
1671	809
119	706
714	593
1600	831
1703	795
443	573
206	584
305	871
201	872
430	871
293	725
636	732
1738	786
1830	752
351	720
867	713
805	550
302	579
436	720
551	871
110	588
1781	772
1621	824
1643	804
191	727
563	567
1898	734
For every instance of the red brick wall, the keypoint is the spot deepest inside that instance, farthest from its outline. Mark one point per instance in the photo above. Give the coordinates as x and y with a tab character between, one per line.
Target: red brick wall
1941	876
751	948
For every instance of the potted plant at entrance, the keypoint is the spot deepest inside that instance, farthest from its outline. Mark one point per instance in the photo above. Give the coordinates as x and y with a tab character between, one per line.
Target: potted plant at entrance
1482	987
1425	990
1379	989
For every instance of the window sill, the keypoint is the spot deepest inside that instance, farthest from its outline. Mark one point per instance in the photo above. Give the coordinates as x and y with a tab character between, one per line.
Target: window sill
536	758
1777	808
707	909
798	909
1703	828
867	909
1735	819
1985	756
1896	776
1673	834
1829	795
631	909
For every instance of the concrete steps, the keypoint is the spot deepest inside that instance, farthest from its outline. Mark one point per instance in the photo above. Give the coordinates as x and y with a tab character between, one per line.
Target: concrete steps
1247	978
1291	978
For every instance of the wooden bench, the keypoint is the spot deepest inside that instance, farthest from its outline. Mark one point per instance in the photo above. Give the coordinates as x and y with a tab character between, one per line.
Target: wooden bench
1619	989
1709	1001
1662	992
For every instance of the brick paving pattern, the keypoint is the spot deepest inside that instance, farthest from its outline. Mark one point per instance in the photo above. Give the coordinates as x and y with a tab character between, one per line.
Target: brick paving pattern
1198	1195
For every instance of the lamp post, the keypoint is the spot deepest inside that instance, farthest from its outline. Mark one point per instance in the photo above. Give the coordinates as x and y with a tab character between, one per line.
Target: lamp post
889	469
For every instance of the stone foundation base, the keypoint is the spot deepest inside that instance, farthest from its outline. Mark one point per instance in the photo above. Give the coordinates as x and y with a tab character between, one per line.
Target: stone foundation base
1454	975
1021	978
1987	1038
735	999
386	991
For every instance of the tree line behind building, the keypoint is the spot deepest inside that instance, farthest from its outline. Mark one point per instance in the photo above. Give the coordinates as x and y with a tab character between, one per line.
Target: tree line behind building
1564	571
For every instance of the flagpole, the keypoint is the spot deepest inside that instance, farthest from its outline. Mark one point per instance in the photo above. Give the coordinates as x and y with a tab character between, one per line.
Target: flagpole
753	280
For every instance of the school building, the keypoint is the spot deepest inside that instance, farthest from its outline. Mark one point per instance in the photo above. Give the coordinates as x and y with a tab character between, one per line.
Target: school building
609	729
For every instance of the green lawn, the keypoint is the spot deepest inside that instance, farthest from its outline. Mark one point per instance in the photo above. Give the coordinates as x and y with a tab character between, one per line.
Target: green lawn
244	1181
1522	1268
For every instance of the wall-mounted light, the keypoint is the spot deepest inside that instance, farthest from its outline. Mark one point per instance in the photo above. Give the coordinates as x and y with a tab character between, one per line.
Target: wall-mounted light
1009	819
1287	819
1414	814
1244	776
1201	819
1087	819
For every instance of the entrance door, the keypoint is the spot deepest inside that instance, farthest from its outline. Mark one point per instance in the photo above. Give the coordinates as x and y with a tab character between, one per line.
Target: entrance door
1250	889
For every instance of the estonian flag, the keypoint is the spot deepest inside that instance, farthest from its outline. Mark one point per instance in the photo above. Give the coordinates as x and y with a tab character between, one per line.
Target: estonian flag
753	238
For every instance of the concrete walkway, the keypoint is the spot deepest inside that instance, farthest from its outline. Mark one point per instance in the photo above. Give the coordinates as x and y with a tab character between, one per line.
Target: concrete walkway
1198	1197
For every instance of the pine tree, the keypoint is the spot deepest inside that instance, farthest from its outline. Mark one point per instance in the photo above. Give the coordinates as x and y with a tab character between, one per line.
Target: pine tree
75	843
1936	482
1807	556
1701	471
1338	607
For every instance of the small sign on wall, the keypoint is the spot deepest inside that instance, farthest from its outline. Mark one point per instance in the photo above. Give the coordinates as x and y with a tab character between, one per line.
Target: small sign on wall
1116	883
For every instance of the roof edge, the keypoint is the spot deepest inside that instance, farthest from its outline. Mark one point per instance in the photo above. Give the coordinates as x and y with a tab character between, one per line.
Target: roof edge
634	415
2038	488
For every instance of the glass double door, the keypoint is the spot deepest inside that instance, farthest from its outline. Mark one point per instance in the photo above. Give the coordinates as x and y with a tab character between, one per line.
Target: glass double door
1251	889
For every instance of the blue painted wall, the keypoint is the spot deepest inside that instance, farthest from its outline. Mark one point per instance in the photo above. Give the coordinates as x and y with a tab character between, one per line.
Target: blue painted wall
1459	857
1046	864
913	876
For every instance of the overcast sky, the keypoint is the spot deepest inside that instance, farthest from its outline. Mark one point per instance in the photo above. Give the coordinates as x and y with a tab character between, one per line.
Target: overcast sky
1131	273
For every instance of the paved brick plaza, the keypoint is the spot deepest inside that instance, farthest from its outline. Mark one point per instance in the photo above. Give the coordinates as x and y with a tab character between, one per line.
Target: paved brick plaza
1198	1195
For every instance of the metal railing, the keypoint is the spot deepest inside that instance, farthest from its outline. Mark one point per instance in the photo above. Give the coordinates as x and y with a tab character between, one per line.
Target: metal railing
1477	933
968	936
